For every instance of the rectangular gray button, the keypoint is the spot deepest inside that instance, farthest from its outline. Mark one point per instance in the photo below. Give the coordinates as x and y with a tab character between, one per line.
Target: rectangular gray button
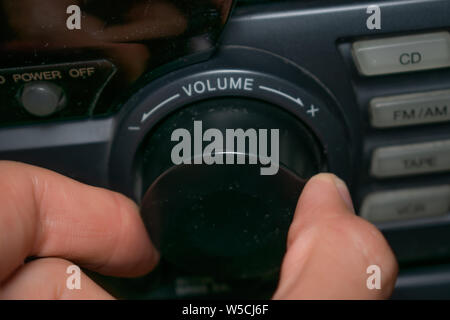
402	54
407	204
411	159
410	109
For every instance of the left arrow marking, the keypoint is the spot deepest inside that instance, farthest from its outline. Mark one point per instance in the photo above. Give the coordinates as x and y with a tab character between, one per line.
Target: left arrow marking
147	114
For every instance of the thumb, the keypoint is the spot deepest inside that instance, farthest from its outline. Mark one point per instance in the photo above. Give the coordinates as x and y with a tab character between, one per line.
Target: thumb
330	249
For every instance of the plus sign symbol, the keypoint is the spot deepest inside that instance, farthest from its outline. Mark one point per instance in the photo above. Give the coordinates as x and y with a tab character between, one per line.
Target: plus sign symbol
312	110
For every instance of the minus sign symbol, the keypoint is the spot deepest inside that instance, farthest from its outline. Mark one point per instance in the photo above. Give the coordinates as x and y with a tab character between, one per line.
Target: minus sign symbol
134	128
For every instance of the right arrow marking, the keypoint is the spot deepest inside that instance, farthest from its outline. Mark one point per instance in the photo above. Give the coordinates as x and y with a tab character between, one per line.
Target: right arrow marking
296	100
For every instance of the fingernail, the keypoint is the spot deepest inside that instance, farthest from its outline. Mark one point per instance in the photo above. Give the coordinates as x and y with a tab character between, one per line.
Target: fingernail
344	193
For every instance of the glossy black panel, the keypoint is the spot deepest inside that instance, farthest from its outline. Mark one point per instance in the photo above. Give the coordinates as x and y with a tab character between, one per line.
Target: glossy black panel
136	36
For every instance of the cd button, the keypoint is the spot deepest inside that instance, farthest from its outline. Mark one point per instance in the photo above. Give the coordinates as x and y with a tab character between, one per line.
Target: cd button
402	54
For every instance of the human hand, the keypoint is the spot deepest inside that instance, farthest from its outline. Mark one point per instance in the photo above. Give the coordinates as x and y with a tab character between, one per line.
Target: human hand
62	222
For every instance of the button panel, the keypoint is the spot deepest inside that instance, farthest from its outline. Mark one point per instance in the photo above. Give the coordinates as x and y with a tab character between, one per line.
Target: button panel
402	54
411	159
410	109
405	120
407	204
60	90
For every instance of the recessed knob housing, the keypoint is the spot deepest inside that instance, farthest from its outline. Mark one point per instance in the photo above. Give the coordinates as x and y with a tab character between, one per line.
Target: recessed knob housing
210	216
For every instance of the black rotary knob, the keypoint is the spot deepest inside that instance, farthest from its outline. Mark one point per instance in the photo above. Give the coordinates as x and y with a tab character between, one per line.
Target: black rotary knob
222	178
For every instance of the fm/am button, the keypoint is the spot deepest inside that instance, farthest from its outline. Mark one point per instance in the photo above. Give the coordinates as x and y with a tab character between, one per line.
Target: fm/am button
402	54
411	159
410	109
407	204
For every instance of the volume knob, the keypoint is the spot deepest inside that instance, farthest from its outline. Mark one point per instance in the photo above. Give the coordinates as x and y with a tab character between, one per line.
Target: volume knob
229	218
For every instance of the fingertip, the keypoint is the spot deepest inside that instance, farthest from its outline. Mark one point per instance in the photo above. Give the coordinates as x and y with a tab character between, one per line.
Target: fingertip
326	232
141	248
97	228
325	196
328	186
49	279
133	254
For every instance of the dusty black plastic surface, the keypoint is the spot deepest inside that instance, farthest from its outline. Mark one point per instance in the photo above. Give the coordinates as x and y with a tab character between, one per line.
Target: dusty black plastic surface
315	37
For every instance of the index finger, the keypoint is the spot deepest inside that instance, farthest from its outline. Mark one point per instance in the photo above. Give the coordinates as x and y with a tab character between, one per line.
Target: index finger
329	248
45	214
